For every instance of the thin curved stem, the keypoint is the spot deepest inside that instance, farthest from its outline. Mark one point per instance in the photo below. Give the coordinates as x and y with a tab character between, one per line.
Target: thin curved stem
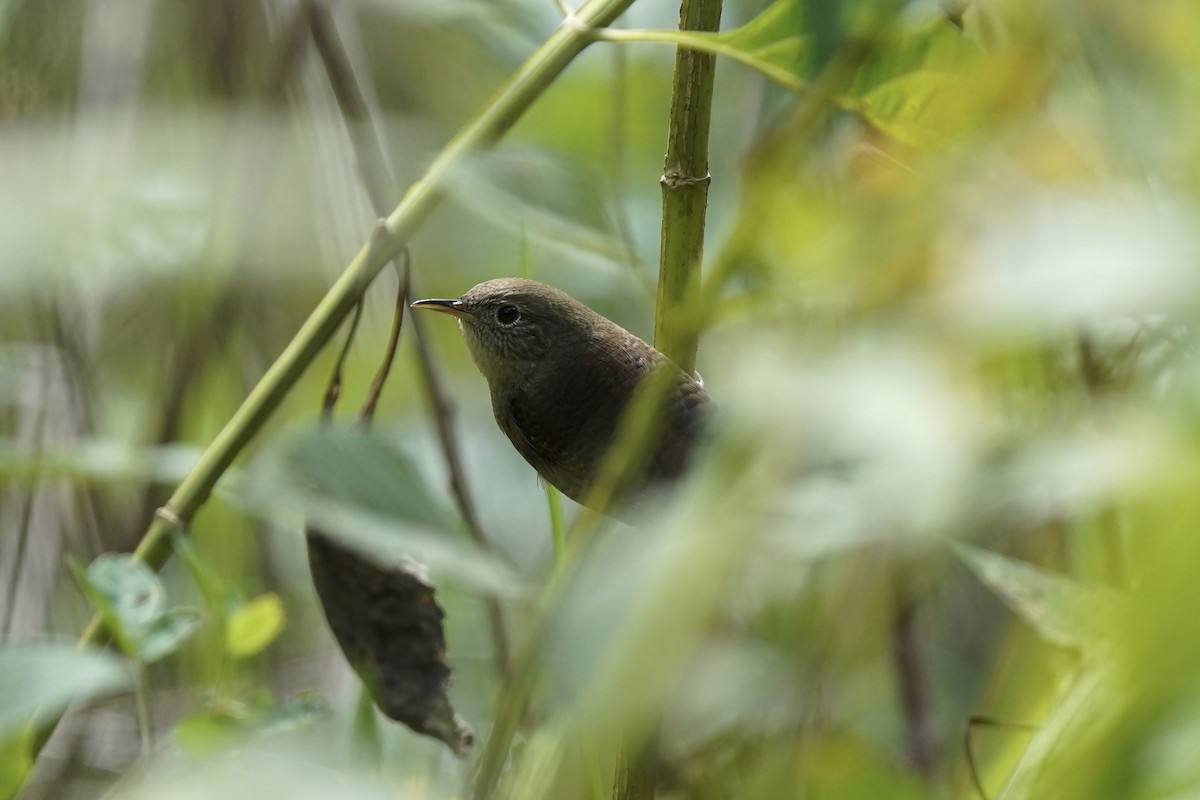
703	43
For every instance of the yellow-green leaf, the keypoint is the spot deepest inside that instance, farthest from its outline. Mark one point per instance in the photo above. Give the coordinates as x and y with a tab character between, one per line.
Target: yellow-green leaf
254	626
918	109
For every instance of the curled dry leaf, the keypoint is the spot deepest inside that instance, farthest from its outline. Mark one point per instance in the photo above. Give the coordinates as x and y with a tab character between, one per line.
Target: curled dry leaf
389	626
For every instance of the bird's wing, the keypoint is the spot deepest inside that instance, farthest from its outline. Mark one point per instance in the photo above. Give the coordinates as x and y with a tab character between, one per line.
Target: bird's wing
564	423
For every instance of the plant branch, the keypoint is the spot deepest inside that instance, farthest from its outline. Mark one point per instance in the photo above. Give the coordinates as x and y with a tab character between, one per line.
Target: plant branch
685	182
702	43
522	89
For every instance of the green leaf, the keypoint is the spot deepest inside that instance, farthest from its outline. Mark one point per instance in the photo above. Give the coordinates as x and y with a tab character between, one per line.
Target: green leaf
362	470
166	634
915	87
253	626
1089	703
134	591
1063	611
917	109
207	732
233	722
772	42
935	46
294	713
548	198
366	493
775	37
133	604
124	638
40	679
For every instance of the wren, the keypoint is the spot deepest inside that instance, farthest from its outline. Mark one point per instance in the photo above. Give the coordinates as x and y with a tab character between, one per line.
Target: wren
561	377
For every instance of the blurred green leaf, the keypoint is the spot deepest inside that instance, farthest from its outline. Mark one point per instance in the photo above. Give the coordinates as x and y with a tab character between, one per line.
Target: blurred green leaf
130	598
1088	703
99	460
254	625
775	37
1065	612
548	198
113	623
360	470
932	46
911	108
772	43
231	722
134	591
914	88
16	760
840	766
208	732
165	635
40	679
367	493
388	542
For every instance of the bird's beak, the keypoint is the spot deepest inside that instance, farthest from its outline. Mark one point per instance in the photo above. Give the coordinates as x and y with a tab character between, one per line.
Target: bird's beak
454	308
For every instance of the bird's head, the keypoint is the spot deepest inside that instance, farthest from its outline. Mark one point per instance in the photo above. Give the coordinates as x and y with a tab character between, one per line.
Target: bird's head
512	325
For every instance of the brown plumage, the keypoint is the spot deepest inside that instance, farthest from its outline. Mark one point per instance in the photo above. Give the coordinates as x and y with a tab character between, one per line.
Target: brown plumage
561	376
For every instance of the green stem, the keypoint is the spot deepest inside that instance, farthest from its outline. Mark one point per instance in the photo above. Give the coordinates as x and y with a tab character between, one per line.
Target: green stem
685	190
703	43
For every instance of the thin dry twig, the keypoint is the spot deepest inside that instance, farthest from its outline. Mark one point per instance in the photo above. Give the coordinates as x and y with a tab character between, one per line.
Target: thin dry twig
367	412
333	389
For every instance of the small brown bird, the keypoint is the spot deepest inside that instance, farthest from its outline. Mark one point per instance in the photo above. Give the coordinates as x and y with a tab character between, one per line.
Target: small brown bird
561	376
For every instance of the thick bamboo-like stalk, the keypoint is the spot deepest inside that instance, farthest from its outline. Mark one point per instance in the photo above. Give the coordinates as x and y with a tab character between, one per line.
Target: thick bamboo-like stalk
685	182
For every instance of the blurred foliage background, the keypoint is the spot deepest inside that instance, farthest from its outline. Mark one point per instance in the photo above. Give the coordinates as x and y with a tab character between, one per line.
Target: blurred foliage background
951	286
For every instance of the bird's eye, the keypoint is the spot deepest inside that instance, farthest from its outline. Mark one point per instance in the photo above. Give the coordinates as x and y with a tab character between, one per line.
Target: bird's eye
507	315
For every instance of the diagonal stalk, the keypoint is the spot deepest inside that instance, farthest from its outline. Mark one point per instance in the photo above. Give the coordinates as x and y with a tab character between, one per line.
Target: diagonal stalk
389	237
515	97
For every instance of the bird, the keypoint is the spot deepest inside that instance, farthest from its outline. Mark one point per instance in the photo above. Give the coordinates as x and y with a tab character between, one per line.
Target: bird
561	376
